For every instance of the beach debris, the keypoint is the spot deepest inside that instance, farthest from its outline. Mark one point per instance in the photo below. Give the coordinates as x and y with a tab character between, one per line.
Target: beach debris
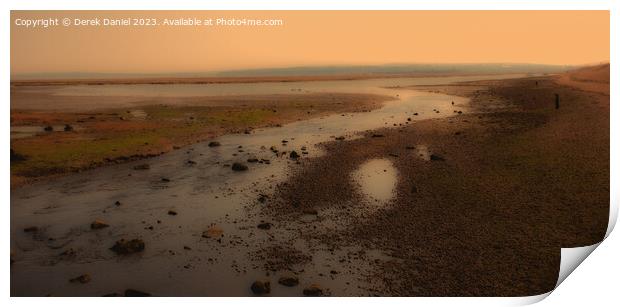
264	225
98	224
136	293
239	167
313	290
82	279
124	247
213	232
294	155
408	119
260	287
68	128
436	157
144	166
288	281
31	229
214	144
172	212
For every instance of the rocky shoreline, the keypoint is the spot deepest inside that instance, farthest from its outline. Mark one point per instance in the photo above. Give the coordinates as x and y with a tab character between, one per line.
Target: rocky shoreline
488	216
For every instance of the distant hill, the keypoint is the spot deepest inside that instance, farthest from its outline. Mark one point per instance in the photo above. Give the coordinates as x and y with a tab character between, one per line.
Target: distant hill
392	69
405	69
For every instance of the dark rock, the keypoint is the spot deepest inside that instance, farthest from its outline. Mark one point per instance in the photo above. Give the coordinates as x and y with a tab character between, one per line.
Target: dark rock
414	189
377	135
310	211
289	281
142	167
117	203
68	254
164	179
214	144
340	138
83	279
252	160
262	198
416	114
172	212
435	157
48	128
190	162
294	155
261	287
313	290
239	167
265	226
98	224
136	293
15	157
68	128
123	247
31	229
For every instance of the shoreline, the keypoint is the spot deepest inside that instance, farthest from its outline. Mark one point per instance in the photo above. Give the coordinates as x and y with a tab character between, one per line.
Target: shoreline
227	80
486	219
106	137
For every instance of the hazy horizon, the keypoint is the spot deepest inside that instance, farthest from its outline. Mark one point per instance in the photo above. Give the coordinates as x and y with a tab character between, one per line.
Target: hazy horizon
306	39
320	70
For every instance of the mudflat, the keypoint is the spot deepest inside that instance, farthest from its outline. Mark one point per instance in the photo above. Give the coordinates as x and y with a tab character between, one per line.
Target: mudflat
458	189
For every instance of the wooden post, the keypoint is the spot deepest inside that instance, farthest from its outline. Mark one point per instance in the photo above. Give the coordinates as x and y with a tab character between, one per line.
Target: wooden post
557	101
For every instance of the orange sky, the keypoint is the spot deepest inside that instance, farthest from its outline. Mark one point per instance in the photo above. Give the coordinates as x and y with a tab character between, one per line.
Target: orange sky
310	38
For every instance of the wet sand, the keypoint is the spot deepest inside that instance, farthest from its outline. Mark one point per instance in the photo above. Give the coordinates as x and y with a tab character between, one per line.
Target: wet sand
503	186
474	203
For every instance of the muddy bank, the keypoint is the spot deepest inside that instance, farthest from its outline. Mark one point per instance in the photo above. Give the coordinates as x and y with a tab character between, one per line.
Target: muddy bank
502	187
60	142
